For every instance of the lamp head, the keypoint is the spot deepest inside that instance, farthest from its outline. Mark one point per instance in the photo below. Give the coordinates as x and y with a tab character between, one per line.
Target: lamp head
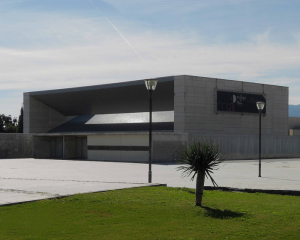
260	105
150	84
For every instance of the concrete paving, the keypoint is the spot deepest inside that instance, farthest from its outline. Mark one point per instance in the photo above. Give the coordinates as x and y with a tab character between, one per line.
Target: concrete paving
24	180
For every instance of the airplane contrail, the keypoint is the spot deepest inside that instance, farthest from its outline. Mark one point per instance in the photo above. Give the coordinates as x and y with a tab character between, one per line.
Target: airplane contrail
119	33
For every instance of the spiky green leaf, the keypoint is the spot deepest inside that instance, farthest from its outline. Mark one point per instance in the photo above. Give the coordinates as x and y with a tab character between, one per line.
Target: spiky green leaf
200	156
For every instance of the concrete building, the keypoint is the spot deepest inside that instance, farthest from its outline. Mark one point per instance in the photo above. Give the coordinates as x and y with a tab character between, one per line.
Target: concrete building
294	126
110	122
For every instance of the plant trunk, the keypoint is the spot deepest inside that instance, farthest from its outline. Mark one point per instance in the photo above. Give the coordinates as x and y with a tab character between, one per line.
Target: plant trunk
199	187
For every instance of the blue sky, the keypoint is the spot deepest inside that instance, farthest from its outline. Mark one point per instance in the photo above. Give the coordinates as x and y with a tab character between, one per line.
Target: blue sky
54	44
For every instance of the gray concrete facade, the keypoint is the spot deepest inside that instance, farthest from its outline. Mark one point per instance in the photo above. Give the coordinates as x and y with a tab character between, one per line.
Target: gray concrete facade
15	145
40	118
191	99
59	147
244	147
166	146
295	132
294	122
195	107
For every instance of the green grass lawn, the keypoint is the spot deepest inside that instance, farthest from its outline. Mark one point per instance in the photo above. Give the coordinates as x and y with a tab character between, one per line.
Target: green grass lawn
154	213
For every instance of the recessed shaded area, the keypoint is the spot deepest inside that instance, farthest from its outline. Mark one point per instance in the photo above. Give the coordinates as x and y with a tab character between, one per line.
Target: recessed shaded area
110	98
60	147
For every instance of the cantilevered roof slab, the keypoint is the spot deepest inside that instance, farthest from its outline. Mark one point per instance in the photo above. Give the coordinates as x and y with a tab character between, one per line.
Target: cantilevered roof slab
127	97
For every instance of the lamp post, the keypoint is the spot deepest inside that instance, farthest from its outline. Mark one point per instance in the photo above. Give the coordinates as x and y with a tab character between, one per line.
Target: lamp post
260	106
150	85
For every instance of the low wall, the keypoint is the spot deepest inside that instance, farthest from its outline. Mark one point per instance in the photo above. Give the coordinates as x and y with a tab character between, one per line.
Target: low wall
48	147
166	146
247	146
15	145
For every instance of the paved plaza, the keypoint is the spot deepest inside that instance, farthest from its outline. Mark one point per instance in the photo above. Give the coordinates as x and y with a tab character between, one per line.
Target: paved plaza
34	179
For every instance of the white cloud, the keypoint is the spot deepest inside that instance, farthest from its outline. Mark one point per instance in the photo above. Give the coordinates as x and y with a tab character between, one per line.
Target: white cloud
113	60
294	100
11	106
93	50
71	52
263	38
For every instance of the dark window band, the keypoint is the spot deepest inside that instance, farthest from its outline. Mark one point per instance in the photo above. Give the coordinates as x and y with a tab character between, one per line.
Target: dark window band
119	148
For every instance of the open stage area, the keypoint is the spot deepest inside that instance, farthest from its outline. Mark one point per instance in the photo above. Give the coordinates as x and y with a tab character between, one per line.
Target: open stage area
33	179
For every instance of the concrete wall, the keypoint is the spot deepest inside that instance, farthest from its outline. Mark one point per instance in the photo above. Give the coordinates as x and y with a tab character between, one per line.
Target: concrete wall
167	145
294	122
45	147
70	147
75	147
38	117
121	148
240	147
15	145
195	108
59	147
294	132
81	147
236	147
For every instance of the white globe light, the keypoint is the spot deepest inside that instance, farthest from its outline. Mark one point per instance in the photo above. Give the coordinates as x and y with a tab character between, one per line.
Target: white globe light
150	84
260	105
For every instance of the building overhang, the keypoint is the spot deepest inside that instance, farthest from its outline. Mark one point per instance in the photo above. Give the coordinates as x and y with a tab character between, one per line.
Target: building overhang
127	97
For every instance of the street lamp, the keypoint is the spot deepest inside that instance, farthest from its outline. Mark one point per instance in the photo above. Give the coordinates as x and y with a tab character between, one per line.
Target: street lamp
260	106
150	85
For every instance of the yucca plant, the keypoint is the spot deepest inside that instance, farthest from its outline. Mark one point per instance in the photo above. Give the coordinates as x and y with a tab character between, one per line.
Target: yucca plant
201	159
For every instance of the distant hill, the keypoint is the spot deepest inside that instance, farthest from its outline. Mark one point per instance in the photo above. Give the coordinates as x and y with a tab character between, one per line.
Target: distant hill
294	110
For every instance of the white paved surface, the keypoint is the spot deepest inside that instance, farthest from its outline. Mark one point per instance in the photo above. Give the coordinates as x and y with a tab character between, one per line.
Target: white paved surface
33	179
